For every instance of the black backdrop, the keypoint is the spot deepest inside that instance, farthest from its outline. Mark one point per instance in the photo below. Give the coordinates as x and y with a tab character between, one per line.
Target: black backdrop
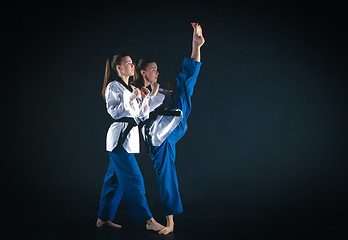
265	153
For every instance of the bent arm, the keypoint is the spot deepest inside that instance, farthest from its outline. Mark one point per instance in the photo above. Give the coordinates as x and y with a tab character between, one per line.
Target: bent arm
155	100
119	104
144	109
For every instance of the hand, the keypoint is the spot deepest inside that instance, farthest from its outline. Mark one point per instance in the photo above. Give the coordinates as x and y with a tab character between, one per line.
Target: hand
136	92
154	87
144	92
197	38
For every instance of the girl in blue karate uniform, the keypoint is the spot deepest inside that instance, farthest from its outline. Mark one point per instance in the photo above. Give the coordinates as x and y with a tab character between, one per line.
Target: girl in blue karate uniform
163	153
129	106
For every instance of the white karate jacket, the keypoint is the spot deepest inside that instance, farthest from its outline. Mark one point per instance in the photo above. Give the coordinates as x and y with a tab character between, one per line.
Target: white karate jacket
118	105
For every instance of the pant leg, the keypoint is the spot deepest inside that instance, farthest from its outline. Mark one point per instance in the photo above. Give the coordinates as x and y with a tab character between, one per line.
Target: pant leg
183	92
110	196
163	158
131	182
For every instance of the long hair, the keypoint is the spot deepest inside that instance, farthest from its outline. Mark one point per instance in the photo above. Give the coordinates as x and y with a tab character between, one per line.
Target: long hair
141	64
110	70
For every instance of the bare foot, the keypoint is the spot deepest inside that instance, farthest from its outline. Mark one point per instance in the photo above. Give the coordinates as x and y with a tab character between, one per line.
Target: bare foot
101	223
166	230
153	225
198	38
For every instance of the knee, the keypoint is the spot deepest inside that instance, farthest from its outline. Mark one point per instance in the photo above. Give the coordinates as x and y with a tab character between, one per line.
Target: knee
132	183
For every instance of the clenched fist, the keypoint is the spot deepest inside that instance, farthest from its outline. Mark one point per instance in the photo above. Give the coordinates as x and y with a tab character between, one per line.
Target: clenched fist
136	92
154	87
144	92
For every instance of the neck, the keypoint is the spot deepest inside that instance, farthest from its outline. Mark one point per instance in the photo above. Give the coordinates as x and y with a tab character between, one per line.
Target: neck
146	83
125	79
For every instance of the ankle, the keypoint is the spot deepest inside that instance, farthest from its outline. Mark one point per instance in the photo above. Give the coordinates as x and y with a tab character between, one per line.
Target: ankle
170	220
99	222
151	220
170	223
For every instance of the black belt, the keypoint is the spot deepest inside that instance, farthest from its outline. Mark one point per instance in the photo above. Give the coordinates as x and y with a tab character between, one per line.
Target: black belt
144	145
131	123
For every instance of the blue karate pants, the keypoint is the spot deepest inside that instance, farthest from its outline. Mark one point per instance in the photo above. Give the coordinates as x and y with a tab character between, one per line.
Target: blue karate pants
163	156
123	179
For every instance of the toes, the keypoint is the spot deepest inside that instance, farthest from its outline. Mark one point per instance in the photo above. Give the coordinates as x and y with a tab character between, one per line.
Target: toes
117	225
114	225
155	227
162	231
165	231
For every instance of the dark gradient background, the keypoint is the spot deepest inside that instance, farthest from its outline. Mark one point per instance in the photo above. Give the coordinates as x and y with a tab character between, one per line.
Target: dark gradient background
265	155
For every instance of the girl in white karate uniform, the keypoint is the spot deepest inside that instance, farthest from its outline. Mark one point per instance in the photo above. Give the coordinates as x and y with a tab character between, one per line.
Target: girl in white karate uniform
129	106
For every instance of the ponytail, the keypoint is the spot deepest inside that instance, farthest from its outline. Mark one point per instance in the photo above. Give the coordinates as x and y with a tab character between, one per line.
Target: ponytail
107	77
110	70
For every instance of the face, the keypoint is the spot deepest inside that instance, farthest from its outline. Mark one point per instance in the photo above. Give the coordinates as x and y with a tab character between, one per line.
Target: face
151	72
127	67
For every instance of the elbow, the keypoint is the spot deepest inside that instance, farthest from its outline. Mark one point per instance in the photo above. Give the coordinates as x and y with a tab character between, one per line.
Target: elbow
114	114
162	98
145	114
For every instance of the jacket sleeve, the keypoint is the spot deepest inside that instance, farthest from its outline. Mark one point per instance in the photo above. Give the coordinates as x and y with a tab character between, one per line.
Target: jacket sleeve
118	103
155	101
144	108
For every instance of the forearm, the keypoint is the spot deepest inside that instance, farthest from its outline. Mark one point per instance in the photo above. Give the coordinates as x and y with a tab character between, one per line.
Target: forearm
144	109
120	105
155	101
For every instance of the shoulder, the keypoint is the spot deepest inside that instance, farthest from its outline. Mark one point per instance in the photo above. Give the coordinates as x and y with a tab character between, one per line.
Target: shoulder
114	86
113	91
